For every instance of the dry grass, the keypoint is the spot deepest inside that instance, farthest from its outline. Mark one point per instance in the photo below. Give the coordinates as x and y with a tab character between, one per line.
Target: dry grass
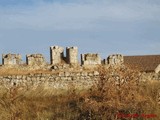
120	91
18	71
117	91
36	103
25	70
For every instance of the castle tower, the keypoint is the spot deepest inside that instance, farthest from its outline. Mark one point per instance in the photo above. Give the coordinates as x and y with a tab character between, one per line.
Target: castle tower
72	55
56	54
115	59
35	59
90	59
11	59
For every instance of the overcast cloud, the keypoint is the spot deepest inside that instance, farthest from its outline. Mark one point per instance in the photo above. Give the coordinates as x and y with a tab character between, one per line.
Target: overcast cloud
77	15
103	26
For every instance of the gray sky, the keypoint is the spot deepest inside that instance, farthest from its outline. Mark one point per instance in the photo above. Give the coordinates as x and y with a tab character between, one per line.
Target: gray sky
129	27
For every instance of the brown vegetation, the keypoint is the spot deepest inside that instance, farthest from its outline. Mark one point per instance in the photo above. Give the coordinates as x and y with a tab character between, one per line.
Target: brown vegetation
118	90
18	71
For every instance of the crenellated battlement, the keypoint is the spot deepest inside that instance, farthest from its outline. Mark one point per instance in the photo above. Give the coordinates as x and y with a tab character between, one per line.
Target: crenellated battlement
56	54
90	59
58	60
62	71
35	59
11	59
72	55
115	59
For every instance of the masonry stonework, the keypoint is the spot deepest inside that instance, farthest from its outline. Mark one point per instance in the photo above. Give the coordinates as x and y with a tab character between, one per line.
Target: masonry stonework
72	55
115	59
147	63
90	59
56	54
62	74
11	59
35	59
62	80
157	70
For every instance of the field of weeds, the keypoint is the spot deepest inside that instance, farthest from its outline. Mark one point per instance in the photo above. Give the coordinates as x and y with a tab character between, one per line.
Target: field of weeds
118	95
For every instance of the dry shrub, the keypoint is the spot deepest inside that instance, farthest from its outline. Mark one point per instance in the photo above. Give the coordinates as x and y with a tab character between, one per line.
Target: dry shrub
117	91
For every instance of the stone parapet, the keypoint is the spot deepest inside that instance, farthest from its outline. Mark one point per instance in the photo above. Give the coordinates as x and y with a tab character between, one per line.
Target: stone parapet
35	59
11	59
56	54
72	55
90	59
115	59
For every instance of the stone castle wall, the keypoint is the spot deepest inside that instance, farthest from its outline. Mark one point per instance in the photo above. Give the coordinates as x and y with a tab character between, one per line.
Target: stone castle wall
11	59
90	59
72	55
35	59
115	59
56	54
60	66
57	58
62	80
65	70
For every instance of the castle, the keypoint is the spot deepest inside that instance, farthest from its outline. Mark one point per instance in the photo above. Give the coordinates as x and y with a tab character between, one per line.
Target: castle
148	63
64	71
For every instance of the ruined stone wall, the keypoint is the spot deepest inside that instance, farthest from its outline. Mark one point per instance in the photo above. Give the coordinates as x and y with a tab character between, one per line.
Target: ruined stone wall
56	54
115	59
150	76
35	59
90	59
11	59
62	80
157	70
72	55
